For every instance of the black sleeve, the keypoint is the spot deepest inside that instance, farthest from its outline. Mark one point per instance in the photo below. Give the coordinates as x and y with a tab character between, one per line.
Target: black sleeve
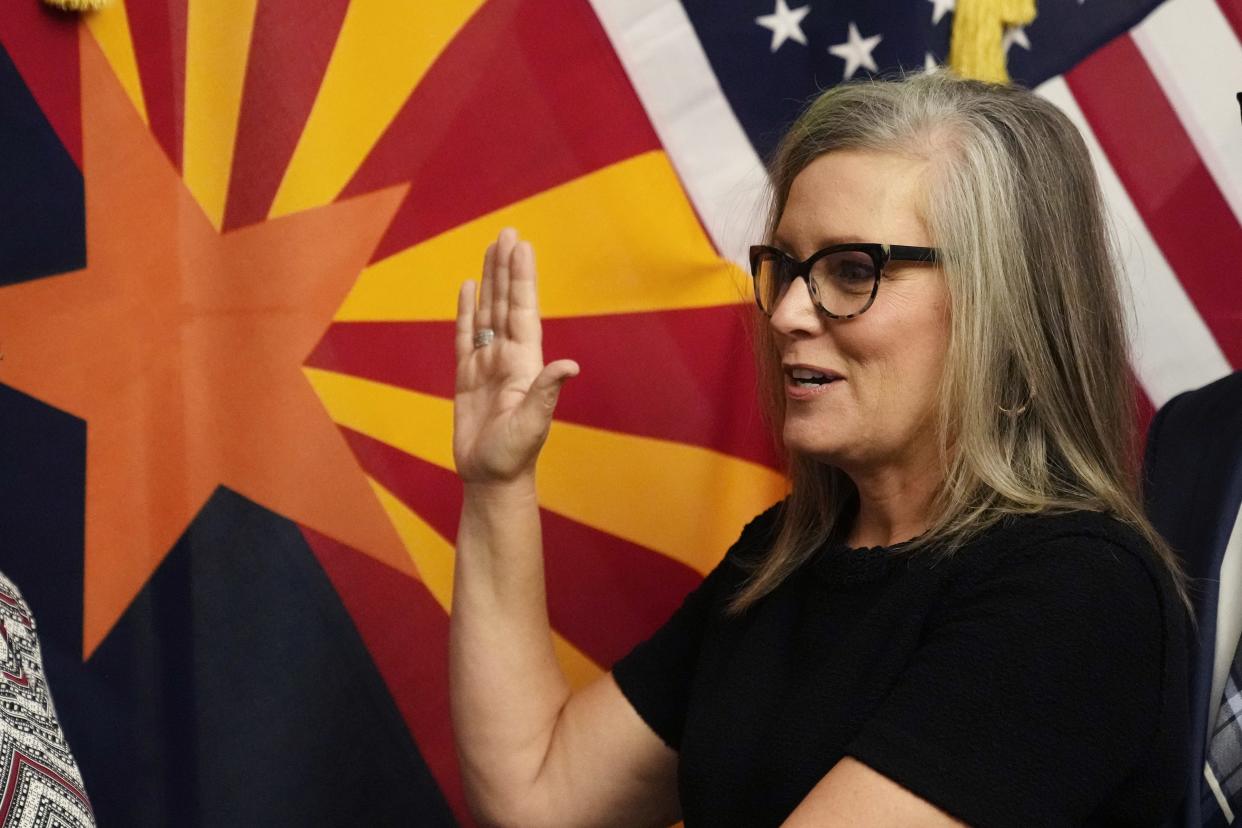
655	676
1037	688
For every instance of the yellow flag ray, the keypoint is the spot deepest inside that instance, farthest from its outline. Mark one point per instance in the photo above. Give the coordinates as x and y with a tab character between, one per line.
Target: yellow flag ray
687	502
110	28
433	555
383	50
621	239
684	501
216	52
431	552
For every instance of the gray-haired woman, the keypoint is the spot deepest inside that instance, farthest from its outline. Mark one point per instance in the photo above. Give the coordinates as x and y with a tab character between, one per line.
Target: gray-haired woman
959	614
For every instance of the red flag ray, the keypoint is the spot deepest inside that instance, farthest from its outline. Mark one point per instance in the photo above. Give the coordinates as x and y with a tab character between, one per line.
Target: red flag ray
283	73
661	374
605	594
497	118
158	32
43	45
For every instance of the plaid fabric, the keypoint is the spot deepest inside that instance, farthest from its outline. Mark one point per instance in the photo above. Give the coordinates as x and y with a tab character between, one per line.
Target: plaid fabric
1222	772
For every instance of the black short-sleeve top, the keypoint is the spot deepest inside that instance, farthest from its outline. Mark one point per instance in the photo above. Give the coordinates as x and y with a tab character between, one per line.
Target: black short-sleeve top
1035	677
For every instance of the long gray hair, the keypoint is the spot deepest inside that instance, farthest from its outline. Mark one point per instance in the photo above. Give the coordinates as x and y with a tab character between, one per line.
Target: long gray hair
1037	404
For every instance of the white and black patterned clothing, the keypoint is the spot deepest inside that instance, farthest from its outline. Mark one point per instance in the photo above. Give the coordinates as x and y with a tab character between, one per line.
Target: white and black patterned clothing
40	786
1036	678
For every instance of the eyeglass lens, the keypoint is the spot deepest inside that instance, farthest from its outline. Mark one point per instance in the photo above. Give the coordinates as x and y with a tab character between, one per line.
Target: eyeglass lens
840	283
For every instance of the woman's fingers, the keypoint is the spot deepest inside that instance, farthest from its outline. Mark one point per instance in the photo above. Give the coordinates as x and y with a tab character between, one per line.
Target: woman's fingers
535	412
504	302
524	325
505	395
483	318
505	246
464	339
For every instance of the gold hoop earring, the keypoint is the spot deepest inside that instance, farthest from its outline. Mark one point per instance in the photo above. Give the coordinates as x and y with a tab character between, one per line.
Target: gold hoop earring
1020	410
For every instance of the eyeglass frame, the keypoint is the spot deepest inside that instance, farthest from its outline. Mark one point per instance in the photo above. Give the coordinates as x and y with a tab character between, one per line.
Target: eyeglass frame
881	254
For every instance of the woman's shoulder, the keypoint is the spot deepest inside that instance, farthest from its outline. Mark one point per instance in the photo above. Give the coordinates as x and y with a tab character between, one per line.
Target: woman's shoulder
1092	556
1084	582
1057	535
756	537
1042	527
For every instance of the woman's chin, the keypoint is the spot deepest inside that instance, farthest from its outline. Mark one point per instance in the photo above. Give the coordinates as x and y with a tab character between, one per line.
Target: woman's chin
814	446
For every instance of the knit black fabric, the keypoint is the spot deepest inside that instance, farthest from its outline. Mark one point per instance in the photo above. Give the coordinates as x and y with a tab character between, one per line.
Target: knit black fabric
1037	677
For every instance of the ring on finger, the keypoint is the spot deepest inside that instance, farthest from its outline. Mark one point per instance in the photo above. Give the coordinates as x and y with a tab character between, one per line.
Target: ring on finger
483	337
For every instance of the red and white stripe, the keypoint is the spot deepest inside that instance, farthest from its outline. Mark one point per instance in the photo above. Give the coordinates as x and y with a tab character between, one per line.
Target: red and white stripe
1156	108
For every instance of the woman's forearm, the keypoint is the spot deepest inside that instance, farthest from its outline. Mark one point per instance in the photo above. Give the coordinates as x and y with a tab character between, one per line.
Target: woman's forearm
507	688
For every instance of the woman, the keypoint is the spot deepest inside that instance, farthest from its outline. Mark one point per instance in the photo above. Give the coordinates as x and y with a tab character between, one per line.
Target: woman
959	614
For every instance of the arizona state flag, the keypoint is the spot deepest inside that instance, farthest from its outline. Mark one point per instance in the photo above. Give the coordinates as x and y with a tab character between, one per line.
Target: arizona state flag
231	236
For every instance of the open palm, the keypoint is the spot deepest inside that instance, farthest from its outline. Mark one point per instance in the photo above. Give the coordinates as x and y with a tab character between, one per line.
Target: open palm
505	395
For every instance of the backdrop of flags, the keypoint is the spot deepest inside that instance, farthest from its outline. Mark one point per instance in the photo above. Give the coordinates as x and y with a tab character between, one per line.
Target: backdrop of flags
230	239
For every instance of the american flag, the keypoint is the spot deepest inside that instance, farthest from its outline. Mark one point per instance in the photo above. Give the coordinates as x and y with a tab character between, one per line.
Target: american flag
1150	85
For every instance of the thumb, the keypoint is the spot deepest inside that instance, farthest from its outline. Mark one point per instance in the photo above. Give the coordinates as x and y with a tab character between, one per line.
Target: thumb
535	412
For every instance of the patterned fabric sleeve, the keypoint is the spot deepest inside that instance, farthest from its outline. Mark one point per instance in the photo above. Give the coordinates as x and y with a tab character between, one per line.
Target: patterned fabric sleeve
41	784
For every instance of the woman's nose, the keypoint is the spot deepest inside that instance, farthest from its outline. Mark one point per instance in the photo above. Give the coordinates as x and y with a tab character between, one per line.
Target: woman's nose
795	311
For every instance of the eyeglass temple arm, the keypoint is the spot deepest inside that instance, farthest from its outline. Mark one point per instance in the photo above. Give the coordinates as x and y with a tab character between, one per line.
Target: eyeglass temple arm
907	253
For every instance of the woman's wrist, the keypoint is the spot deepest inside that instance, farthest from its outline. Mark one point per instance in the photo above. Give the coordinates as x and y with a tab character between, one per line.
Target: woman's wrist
501	517
518	491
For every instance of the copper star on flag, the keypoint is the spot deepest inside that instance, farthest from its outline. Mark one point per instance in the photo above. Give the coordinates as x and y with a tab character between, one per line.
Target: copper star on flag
182	349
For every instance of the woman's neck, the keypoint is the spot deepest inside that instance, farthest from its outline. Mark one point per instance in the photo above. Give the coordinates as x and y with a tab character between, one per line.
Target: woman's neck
894	505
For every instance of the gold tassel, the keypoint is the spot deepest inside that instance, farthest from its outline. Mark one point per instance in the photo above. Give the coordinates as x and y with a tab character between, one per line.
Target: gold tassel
77	5
978	34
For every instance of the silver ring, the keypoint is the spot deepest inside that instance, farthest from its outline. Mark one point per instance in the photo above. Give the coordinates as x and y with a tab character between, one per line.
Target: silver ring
483	337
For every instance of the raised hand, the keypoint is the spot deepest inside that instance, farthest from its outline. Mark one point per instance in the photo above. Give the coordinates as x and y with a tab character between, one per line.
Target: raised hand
505	395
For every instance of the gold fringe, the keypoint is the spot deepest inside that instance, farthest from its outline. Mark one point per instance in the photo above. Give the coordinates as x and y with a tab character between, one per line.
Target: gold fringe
78	5
976	49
